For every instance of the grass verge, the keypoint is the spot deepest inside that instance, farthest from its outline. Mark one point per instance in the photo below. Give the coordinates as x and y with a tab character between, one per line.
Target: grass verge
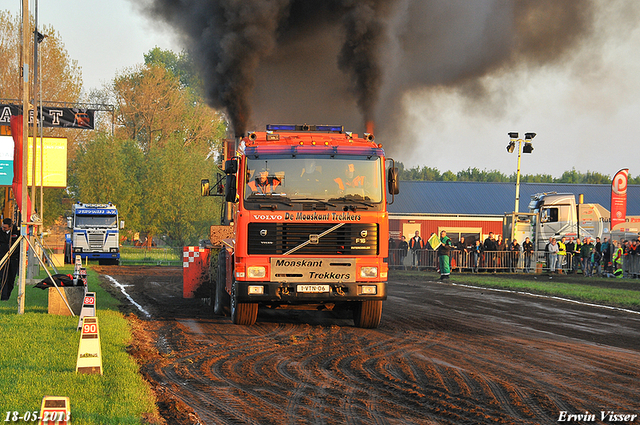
38	354
621	293
164	256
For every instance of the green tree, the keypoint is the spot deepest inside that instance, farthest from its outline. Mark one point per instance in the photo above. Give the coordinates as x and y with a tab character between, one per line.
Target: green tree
448	176
109	170
177	137
475	175
180	65
534	178
173	206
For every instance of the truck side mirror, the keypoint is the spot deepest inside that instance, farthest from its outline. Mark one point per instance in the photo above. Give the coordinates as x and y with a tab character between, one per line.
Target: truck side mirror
122	224
69	222
392	181
204	187
230	188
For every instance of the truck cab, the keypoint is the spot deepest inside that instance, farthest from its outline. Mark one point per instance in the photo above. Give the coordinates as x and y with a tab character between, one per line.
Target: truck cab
310	224
95	234
557	215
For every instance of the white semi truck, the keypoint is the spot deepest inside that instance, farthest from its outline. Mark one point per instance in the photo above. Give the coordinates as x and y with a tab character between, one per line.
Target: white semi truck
95	233
557	215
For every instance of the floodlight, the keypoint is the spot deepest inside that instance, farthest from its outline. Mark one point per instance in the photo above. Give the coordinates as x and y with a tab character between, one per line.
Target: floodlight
39	36
529	136
513	134
511	146
527	148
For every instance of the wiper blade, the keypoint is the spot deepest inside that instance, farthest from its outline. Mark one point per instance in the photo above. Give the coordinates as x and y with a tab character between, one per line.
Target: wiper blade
315	200
351	198
260	197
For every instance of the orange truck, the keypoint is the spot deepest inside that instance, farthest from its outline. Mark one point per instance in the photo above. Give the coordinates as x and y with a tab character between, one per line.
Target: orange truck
308	209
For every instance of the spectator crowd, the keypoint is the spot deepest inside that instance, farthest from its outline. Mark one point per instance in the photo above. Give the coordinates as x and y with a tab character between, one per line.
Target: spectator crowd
616	258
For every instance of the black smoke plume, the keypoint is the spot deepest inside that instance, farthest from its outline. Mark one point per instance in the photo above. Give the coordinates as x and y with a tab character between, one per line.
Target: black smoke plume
351	61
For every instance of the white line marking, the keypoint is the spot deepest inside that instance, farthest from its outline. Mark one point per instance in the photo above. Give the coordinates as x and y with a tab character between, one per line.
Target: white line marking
544	296
121	287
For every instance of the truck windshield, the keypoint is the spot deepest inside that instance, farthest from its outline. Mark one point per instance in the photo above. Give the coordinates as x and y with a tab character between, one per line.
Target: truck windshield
96	221
325	179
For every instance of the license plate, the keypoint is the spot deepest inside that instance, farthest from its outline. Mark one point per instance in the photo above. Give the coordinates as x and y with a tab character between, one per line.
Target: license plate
313	289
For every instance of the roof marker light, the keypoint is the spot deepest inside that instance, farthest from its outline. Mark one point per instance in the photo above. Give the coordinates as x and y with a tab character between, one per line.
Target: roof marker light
281	127
331	128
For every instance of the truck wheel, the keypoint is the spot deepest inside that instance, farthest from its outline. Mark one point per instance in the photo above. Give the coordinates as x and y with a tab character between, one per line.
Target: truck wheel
367	314
243	313
219	295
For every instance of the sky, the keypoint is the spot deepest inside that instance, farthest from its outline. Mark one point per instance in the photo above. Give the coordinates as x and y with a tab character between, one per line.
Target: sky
584	109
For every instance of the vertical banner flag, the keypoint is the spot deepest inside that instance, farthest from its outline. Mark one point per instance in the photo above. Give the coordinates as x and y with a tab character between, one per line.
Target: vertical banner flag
16	132
619	197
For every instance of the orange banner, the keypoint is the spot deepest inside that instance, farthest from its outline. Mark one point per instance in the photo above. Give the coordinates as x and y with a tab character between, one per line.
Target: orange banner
619	197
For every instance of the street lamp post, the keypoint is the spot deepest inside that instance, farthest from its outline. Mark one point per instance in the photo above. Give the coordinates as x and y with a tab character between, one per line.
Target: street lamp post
528	148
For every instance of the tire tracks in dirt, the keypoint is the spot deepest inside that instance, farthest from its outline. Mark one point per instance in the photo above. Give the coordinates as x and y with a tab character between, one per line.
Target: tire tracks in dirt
441	355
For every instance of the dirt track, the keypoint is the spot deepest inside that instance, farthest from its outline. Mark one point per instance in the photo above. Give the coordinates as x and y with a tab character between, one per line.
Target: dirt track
442	354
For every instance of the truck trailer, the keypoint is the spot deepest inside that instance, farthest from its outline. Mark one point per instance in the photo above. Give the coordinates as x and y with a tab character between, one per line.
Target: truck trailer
559	215
308	208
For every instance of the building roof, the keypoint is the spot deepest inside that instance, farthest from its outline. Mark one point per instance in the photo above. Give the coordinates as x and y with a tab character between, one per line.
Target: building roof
479	198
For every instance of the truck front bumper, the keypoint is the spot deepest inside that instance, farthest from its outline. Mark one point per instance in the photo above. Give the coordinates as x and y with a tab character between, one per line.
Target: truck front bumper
98	255
307	293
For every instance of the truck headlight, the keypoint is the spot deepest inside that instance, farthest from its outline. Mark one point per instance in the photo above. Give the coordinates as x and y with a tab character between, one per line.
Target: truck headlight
369	272
256	272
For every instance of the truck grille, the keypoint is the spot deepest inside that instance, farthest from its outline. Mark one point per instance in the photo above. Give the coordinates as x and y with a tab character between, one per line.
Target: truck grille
277	238
96	240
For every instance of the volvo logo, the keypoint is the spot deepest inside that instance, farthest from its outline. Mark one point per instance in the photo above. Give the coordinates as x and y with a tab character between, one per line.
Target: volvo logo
363	233
263	232
314	239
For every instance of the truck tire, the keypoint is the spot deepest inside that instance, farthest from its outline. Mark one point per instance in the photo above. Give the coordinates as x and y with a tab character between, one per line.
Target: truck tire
367	314
243	313
219	296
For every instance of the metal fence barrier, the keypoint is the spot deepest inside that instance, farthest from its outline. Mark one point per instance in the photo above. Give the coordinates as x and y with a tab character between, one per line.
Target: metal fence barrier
509	262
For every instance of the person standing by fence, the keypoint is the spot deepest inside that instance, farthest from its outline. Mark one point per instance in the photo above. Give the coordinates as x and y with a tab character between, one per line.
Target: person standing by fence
514	256
444	255
577	261
476	254
403	247
585	256
8	235
552	252
393	257
570	248
527	247
605	253
416	245
461	254
490	248
617	259
562	254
